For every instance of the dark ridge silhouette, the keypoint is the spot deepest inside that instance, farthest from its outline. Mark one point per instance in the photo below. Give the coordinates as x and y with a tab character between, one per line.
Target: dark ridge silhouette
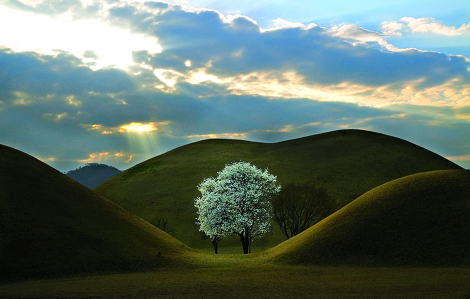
52	226
92	174
347	163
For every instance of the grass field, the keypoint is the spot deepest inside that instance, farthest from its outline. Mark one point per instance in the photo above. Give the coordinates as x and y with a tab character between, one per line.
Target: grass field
256	281
59	239
347	163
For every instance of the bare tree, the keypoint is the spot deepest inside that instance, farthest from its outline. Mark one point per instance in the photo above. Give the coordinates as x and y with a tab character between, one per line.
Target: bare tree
161	223
297	207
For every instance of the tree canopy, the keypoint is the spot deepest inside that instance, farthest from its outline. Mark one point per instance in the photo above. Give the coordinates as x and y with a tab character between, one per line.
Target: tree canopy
236	202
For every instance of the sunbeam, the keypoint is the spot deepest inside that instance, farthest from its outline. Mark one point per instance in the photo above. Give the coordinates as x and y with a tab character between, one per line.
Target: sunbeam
142	137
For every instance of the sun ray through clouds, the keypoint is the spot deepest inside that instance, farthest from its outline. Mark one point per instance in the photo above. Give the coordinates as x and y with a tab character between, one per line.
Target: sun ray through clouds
143	137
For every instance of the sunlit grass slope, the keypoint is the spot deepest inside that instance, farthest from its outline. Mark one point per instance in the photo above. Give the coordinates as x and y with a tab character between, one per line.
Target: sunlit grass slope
51	225
422	219
347	163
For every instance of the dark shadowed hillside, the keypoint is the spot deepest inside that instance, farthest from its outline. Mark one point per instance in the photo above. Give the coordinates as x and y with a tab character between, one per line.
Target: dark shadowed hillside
51	225
347	163
422	219
93	174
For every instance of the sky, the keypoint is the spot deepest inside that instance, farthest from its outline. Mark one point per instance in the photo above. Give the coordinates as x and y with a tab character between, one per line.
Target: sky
119	82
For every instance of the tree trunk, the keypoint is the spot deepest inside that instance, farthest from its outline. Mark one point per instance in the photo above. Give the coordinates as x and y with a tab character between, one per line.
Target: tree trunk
215	243
245	244
246	238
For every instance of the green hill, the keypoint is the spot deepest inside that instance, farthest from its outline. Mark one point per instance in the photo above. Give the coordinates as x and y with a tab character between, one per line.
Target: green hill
51	225
347	163
422	219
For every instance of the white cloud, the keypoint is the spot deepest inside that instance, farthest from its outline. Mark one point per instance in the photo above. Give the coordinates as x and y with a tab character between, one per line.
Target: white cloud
431	25
281	23
422	25
391	28
44	34
352	32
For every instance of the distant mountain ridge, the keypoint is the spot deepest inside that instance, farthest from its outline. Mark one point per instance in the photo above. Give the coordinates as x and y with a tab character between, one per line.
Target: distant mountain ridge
347	163
92	174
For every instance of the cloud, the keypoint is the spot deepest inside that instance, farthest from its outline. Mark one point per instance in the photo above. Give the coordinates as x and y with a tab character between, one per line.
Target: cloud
84	37
91	54
346	61
220	136
138	127
391	28
353	32
225	77
422	25
81	117
56	8
230	49
460	158
29	73
106	157
84	112
281	23
52	8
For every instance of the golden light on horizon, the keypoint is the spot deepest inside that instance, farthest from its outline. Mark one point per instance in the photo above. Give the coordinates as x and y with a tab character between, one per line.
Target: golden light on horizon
221	135
142	137
94	157
137	127
107	156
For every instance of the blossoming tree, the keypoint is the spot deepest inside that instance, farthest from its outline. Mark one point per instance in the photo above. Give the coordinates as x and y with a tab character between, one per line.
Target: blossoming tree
236	201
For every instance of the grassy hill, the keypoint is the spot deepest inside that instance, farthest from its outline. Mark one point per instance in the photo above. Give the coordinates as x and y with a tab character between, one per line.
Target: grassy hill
347	163
92	174
422	219
51	225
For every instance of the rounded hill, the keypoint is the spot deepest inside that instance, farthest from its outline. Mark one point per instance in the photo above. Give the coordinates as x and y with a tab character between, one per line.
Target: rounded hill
51	225
346	163
422	219
92	174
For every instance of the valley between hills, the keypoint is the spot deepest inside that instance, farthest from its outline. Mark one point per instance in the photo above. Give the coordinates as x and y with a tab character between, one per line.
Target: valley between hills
401	230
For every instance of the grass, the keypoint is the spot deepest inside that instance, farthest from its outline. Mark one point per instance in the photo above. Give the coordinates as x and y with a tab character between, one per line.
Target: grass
422	219
260	281
347	163
408	238
52	226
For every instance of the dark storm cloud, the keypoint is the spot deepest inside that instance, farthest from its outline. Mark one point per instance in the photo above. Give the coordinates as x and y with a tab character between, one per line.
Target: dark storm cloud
239	46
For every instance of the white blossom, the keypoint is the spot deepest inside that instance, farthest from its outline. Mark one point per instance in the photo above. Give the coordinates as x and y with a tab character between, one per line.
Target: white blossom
236	201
